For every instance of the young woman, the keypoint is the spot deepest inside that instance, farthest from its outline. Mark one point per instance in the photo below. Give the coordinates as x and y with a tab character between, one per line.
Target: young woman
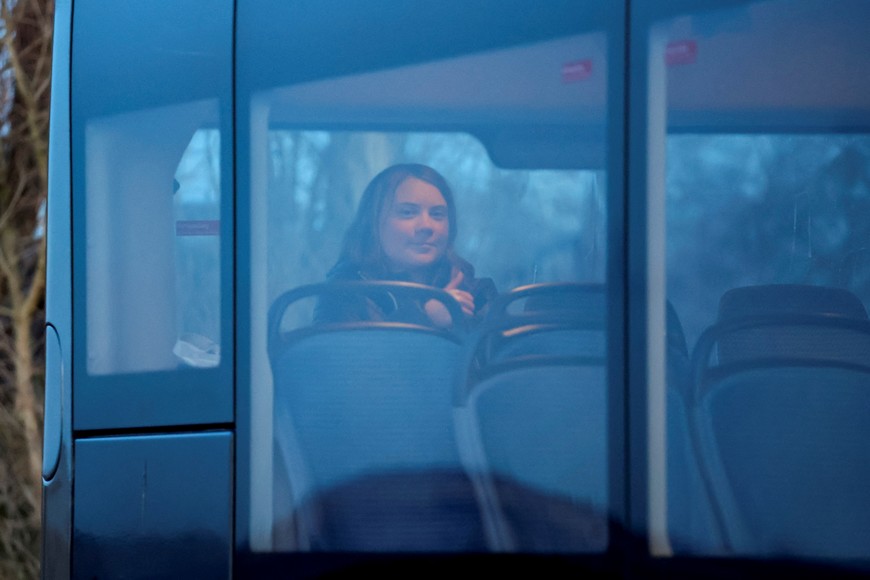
404	230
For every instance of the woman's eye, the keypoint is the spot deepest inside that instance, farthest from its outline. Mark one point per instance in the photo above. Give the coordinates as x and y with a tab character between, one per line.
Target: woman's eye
438	214
407	212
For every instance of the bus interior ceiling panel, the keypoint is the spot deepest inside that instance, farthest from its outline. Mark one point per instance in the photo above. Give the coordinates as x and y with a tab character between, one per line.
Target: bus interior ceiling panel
336	38
799	66
563	129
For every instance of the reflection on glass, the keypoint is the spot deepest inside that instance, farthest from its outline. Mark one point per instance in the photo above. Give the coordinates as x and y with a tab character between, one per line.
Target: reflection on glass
331	444
314	200
152	211
484	429
766	189
785	215
197	251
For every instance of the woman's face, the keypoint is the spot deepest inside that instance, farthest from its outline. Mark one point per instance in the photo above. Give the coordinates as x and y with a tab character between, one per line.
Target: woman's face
415	227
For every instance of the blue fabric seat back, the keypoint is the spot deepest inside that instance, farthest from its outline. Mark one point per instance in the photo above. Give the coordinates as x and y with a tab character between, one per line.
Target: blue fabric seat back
366	401
362	402
786	450
532	415
781	399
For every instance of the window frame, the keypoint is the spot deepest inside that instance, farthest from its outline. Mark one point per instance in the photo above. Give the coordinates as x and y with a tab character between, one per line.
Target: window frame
178	397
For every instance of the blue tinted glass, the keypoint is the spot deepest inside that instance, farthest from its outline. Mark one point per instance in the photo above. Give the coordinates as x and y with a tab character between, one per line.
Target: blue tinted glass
427	300
765	187
152	213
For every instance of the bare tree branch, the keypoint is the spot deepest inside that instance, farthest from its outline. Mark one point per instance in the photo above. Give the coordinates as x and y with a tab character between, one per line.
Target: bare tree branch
25	79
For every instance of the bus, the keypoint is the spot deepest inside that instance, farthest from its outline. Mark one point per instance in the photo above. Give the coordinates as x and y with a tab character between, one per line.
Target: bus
670	198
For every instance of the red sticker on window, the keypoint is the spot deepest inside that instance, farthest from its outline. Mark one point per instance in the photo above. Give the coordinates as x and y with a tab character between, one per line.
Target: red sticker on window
197	227
577	70
681	52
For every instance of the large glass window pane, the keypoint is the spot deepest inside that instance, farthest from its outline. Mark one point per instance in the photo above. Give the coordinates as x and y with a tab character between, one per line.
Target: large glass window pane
760	124
390	420
153	237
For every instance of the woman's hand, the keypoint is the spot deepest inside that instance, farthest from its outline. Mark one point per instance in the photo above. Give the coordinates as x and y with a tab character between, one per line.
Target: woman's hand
436	310
465	299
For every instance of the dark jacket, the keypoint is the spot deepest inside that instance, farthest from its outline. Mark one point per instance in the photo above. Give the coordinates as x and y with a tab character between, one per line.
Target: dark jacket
392	308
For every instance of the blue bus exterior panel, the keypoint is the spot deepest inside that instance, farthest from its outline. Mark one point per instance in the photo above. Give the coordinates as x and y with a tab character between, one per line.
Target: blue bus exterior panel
153	506
57	487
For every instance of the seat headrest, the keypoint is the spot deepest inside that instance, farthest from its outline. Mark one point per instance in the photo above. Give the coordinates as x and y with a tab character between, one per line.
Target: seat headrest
790	298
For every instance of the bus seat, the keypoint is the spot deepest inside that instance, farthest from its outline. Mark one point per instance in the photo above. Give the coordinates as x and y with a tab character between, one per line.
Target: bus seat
776	340
534	335
797	298
362	400
780	421
531	417
691	527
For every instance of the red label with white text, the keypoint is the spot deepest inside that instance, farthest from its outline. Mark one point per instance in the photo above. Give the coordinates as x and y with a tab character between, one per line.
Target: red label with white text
681	52
577	70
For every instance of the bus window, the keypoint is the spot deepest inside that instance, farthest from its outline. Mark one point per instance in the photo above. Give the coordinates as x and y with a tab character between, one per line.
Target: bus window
143	254
761	144
152	221
196	209
360	432
141	199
